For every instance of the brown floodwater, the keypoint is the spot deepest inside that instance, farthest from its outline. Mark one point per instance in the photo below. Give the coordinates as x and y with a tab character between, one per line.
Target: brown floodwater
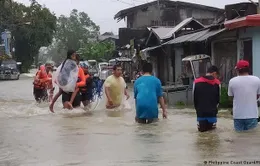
32	136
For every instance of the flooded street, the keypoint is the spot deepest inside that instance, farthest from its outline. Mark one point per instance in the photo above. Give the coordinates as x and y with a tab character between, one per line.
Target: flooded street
32	136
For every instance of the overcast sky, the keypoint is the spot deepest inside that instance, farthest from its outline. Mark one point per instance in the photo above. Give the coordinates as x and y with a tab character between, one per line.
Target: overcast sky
102	11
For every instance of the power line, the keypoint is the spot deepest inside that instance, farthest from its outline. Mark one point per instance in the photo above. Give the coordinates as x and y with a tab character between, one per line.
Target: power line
142	1
121	1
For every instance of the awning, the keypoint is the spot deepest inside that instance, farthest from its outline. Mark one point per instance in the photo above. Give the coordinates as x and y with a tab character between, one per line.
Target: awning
248	21
195	37
144	53
150	48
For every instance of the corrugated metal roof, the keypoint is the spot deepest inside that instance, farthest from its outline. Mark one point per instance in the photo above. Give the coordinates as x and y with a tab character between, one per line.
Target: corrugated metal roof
161	31
180	26
104	37
150	48
195	37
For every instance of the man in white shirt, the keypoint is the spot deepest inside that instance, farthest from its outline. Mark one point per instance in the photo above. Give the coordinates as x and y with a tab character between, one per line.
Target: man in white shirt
245	90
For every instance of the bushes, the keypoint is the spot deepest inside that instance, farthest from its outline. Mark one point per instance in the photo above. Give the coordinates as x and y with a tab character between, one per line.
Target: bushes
225	102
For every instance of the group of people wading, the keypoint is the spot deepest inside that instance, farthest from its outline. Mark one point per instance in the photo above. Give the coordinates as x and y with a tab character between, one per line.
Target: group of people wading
243	89
147	90
83	87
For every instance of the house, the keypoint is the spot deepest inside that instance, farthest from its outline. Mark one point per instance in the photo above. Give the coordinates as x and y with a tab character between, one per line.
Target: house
167	13
248	39
164	58
226	43
109	37
161	21
239	41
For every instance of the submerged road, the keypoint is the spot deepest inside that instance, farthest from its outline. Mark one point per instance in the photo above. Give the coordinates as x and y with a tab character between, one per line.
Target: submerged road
32	136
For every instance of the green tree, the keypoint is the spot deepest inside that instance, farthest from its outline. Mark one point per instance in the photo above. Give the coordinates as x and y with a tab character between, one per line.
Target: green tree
28	39
97	50
75	30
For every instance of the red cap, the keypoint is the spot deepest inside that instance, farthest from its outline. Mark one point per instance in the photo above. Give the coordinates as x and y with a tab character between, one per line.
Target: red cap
242	64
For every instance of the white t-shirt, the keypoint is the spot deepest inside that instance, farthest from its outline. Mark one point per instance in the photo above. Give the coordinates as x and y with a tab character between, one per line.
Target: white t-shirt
245	90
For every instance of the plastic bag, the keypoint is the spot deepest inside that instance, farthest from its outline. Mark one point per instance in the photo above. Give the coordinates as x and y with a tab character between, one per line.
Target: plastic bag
66	78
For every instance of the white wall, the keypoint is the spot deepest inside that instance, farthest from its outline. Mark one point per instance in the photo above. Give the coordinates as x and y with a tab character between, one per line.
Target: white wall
253	33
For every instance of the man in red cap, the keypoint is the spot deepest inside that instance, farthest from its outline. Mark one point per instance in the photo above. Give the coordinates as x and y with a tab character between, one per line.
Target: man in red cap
245	90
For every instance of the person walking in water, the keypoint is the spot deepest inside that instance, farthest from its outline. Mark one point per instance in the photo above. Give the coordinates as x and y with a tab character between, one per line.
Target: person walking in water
71	100
147	93
244	90
115	87
42	82
87	90
206	96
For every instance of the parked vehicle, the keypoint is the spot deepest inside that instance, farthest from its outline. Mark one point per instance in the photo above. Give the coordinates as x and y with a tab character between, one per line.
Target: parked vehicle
112	62
106	73
9	70
102	66
196	66
92	67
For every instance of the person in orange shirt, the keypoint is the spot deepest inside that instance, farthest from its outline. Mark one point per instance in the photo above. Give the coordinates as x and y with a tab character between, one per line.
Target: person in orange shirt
42	82
73	99
86	92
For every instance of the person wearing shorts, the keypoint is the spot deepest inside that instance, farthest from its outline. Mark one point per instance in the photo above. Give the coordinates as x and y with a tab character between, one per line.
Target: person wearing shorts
67	96
206	96
244	90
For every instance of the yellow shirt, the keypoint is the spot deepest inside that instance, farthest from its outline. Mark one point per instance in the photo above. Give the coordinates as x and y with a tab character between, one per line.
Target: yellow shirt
116	88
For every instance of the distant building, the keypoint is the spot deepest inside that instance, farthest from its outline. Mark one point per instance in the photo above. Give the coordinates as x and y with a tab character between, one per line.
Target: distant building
108	36
168	13
154	23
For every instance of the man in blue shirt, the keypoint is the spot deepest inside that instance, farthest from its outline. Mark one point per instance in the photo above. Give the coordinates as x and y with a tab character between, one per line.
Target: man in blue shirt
147	93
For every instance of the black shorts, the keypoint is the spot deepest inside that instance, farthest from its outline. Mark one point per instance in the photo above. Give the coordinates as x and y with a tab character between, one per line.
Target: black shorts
146	121
86	96
66	98
40	95
204	126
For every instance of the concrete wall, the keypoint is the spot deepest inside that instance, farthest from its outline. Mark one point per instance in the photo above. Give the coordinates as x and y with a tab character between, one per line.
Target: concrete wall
253	33
204	16
181	96
142	19
169	16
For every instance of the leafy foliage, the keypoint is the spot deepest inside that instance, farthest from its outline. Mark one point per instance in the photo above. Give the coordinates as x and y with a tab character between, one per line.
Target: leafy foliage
225	102
97	50
28	39
75	30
